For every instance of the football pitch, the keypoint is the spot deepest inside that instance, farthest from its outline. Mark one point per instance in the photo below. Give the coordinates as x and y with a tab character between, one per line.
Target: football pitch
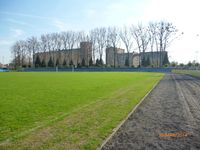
42	110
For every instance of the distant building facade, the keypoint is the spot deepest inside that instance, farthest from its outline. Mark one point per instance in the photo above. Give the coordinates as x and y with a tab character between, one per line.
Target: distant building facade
156	58
114	57
119	58
75	56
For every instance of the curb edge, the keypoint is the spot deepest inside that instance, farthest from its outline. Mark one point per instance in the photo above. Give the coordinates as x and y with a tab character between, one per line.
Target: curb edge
130	113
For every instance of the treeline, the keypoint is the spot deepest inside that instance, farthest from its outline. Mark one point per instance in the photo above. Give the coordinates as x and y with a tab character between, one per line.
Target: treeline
190	65
154	37
41	63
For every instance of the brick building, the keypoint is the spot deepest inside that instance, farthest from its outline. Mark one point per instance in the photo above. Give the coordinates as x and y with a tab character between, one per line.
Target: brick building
121	57
75	55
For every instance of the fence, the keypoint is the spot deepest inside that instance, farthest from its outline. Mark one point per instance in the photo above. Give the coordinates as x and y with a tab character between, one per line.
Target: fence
165	70
4	70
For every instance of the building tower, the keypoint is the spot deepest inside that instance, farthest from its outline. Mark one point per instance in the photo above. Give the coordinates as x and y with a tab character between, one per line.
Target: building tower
86	51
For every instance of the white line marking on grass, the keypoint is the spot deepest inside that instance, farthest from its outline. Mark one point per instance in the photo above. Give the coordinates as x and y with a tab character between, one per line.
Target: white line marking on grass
23	133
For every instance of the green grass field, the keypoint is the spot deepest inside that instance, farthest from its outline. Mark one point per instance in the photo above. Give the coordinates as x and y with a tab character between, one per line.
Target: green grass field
195	73
66	110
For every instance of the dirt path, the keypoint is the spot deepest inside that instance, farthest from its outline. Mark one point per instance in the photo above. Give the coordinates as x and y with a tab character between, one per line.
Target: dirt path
169	118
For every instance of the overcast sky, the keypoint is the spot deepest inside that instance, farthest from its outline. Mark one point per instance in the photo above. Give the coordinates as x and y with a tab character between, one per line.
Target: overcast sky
20	19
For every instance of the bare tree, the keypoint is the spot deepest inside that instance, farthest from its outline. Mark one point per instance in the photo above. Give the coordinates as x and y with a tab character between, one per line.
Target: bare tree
101	41
15	50
93	40
20	52
159	35
33	47
136	35
70	39
113	40
53	45
23	49
141	36
165	34
126	38
144	38
80	37
46	44
58	44
153	40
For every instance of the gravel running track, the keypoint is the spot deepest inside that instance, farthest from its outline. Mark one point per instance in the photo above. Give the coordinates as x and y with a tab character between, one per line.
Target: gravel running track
168	118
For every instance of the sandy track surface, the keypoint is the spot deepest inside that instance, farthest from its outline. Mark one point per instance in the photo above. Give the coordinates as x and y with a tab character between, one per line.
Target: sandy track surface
169	118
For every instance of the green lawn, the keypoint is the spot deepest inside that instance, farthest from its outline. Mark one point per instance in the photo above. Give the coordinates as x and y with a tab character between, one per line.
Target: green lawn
195	73
66	110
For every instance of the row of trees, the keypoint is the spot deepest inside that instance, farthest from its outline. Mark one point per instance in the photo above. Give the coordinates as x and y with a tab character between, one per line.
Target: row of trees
42	63
154	37
190	65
